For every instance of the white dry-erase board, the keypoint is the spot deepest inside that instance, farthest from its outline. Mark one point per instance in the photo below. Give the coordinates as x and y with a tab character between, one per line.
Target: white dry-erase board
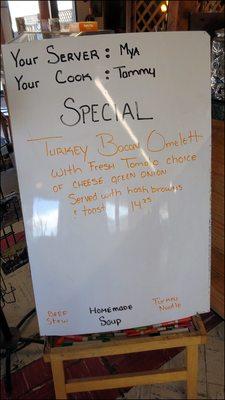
112	144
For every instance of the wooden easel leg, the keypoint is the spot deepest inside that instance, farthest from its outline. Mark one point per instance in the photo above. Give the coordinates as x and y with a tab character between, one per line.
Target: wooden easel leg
192	371
58	378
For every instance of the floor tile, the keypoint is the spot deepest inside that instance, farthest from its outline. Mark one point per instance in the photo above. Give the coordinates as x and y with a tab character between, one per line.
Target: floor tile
210	374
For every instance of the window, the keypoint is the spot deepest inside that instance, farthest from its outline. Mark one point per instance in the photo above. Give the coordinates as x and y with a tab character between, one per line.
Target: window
66	12
27	9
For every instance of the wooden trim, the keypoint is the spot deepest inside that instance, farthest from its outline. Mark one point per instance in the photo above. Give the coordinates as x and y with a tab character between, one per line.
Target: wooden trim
44	9
173	12
128	16
6	23
133	16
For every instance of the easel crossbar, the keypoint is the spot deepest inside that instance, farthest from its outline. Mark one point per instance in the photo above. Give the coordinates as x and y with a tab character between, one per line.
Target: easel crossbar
190	341
99	349
125	380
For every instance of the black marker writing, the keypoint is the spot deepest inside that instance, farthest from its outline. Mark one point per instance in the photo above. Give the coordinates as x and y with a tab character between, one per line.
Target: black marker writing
25	85
75	56
71	78
133	51
23	61
128	73
96	112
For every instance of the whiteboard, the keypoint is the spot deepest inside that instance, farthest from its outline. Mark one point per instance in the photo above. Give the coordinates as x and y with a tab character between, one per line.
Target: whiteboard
112	143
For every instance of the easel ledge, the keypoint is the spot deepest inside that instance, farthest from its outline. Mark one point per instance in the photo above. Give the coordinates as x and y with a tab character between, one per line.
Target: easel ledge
191	340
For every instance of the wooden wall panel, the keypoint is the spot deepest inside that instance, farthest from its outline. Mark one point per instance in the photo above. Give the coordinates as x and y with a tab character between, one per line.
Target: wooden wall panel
6	25
217	264
178	14
44	9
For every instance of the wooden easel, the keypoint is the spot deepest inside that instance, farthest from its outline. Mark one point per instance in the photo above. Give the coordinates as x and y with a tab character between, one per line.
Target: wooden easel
57	355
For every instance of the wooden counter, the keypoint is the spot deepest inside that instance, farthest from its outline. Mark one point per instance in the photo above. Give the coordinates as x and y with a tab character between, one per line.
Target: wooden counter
217	272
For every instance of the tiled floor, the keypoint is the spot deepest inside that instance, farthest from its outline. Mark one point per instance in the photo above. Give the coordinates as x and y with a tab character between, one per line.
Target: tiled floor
211	373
